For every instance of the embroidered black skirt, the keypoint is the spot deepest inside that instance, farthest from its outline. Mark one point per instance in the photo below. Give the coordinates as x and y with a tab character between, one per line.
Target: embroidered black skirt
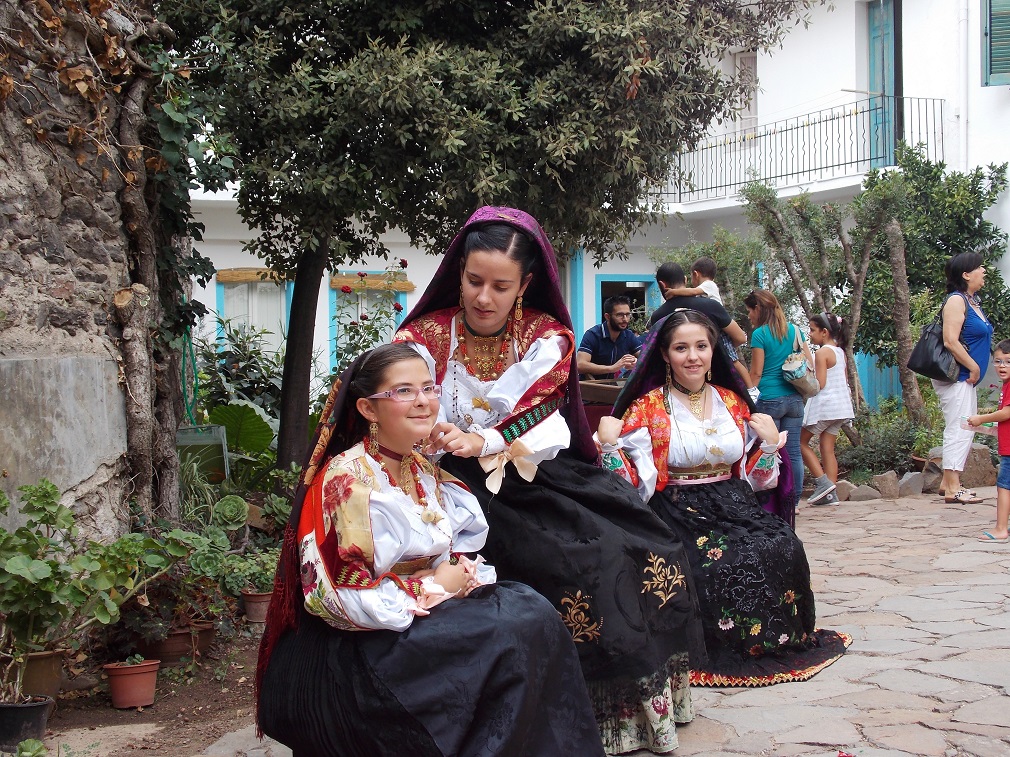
754	583
583	538
494	674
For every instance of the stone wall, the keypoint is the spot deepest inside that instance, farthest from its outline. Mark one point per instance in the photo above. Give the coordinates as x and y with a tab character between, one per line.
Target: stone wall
63	252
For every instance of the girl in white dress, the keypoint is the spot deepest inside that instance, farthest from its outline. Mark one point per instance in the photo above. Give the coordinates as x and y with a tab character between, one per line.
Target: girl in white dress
828	410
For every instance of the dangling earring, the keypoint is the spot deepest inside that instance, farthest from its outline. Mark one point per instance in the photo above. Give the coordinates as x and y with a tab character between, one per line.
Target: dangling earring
669	375
708	376
519	308
372	443
461	306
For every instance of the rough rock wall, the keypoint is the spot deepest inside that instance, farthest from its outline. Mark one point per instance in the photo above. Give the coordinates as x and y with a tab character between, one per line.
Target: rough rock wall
63	253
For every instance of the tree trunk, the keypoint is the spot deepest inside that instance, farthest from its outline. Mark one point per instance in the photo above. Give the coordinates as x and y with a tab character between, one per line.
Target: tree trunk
133	312
901	313
293	436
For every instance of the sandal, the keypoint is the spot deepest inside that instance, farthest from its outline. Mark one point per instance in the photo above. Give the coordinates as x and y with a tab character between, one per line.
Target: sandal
988	538
963	497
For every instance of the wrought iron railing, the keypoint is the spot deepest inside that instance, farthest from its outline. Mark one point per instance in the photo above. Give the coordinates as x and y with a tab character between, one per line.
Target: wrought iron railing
844	140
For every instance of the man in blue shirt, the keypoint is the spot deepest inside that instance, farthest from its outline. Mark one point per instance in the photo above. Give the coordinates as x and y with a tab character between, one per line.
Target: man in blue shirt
611	348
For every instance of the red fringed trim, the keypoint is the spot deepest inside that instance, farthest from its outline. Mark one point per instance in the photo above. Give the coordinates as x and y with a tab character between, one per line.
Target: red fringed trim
284	610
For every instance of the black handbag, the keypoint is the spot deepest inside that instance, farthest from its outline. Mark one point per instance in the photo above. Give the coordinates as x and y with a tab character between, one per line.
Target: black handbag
930	358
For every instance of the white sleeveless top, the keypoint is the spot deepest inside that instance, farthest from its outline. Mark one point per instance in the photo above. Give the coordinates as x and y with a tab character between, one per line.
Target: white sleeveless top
833	402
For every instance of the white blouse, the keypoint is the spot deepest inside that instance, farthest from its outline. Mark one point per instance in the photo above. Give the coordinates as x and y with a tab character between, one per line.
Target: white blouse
693	443
399	534
477	406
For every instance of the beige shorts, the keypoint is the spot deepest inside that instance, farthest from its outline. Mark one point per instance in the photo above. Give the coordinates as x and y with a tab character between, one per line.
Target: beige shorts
825	427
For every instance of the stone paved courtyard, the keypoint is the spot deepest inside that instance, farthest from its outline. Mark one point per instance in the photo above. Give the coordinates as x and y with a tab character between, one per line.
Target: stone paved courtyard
928	671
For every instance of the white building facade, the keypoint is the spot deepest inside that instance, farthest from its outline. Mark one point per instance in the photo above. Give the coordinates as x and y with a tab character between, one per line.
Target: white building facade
832	104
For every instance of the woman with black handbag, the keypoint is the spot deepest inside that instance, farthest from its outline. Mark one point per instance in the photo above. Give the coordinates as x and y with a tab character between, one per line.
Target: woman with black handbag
967	333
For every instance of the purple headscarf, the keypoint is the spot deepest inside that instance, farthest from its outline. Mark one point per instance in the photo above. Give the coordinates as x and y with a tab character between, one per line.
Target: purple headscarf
543	293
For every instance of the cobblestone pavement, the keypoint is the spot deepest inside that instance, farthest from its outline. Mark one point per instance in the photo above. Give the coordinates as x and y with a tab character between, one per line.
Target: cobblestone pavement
928	672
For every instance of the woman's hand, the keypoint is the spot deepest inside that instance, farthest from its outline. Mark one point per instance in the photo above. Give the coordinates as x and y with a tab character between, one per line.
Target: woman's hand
764	426
450	577
974	374
610	429
445	437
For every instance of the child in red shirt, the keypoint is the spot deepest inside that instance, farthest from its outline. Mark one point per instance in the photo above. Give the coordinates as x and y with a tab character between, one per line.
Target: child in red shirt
1001	359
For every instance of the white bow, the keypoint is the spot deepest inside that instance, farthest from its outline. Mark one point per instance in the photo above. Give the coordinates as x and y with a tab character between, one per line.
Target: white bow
495	464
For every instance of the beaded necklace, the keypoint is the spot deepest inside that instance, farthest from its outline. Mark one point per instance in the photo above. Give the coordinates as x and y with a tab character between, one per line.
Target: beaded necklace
489	352
411	466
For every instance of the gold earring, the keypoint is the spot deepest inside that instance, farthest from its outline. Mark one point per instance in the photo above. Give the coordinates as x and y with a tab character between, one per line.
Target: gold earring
708	376
519	308
461	299
669	374
372	443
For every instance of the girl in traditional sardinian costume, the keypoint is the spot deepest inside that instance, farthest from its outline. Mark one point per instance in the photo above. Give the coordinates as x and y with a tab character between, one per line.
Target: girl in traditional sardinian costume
689	440
383	637
498	338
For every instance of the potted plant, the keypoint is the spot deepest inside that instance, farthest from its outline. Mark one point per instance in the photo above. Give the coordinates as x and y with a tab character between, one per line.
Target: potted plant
52	587
180	612
132	683
251	575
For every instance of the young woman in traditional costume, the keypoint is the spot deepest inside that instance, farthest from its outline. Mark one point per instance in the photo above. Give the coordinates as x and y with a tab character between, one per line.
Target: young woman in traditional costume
689	440
383	638
499	340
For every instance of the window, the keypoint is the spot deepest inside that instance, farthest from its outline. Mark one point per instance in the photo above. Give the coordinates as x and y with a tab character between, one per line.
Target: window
746	66
365	307
995	43
245	299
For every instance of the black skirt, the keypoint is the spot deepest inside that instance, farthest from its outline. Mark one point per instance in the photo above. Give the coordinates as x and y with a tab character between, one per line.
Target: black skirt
754	583
584	539
492	674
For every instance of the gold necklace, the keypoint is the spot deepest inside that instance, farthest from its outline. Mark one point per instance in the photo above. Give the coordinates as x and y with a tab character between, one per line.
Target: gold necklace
695	400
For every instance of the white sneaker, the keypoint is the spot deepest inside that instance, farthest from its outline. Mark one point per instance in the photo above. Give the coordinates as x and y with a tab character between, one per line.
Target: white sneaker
754	393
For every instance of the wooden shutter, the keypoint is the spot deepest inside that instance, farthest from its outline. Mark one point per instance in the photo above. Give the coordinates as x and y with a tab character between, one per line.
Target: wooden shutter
996	43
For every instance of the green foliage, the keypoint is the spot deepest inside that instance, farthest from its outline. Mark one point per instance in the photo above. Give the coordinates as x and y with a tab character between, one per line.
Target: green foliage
253	571
351	119
235	366
941	213
31	748
888	438
366	314
277	509
134	659
230	512
246	428
51	587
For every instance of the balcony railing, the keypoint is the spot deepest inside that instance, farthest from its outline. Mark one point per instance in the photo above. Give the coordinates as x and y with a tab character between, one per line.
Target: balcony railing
845	140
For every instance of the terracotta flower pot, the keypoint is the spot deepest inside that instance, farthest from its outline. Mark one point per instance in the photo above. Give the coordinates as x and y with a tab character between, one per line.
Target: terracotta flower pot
183	642
43	673
256	604
132	685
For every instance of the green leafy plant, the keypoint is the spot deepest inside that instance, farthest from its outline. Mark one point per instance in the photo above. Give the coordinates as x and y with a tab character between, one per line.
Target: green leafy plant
230	512
366	313
888	438
51	588
134	659
31	748
253	571
237	366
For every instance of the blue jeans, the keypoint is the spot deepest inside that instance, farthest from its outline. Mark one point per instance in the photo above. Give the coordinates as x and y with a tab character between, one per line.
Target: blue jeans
787	412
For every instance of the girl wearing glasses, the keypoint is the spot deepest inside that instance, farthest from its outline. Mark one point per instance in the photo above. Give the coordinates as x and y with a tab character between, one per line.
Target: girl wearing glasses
383	632
828	410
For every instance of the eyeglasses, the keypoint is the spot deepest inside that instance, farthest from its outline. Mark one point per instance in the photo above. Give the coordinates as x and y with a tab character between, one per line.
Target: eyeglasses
1001	363
408	393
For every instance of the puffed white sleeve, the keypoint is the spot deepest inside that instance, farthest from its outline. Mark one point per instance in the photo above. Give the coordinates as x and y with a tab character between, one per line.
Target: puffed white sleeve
392	603
547	438
631	459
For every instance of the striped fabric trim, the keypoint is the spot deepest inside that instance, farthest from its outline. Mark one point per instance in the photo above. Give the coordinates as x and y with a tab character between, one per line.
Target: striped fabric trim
529	419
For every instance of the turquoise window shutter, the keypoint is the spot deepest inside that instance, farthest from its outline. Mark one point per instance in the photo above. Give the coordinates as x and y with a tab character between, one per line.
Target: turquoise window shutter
995	43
